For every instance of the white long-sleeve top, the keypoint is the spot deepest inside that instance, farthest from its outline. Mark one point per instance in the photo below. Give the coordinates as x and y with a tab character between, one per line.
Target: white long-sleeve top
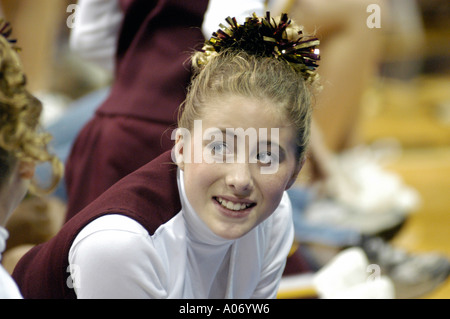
219	10
95	31
8	287
115	257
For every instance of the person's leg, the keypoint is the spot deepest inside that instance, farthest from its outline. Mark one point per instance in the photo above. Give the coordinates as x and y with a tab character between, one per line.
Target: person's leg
36	25
349	55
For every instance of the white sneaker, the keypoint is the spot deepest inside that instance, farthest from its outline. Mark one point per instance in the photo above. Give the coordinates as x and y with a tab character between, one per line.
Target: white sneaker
348	275
358	180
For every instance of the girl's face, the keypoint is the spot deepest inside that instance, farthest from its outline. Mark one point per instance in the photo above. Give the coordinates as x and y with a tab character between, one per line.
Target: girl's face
225	178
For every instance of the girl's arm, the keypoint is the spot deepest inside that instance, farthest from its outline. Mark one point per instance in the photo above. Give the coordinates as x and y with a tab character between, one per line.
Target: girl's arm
218	10
110	259
95	31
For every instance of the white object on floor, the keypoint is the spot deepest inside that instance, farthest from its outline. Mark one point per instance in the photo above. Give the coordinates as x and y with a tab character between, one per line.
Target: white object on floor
358	180
349	276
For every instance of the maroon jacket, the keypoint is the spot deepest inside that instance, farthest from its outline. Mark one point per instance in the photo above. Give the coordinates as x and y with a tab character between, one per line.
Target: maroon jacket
133	125
148	195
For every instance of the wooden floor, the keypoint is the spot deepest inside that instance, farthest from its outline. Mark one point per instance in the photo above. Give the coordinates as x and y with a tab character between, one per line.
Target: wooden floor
417	115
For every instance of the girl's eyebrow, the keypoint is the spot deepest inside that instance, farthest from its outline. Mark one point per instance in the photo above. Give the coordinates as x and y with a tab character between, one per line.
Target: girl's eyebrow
224	131
227	131
231	132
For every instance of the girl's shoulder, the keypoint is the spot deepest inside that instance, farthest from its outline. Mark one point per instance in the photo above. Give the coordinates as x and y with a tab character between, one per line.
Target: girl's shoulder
113	223
110	236
110	259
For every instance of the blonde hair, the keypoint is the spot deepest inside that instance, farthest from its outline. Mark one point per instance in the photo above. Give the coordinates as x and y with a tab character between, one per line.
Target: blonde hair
236	72
20	135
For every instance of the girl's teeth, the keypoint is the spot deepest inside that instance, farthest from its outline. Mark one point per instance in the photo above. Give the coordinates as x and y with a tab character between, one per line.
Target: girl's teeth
231	205
237	207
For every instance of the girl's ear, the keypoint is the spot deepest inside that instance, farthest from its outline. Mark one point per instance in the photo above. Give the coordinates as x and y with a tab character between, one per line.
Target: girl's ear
26	169
297	170
178	150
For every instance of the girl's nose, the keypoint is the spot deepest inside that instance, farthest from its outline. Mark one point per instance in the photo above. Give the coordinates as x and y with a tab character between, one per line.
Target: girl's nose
239	178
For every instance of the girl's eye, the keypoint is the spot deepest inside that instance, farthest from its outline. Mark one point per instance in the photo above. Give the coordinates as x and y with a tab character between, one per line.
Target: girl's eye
265	157
219	149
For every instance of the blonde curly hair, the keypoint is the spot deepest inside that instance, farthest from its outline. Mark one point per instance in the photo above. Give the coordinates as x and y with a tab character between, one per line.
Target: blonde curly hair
21	138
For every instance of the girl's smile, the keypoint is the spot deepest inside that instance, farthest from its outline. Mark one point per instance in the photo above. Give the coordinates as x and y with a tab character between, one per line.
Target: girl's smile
233	207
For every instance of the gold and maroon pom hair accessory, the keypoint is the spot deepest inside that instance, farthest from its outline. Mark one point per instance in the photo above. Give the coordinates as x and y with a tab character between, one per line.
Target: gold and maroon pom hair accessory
5	31
265	37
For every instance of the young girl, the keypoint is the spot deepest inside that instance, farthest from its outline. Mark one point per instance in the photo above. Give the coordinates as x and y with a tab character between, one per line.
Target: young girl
21	145
217	225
